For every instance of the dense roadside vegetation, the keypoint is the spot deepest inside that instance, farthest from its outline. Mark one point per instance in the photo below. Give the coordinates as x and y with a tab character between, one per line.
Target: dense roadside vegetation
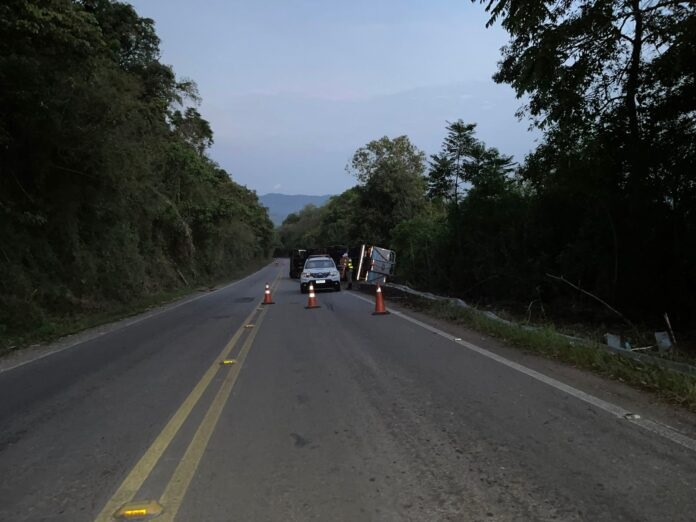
607	201
106	193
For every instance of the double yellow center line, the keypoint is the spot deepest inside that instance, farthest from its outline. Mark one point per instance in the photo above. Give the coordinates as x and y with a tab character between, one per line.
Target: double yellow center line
176	488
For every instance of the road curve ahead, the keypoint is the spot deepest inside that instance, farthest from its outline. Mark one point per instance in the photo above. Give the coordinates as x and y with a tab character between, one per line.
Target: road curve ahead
222	409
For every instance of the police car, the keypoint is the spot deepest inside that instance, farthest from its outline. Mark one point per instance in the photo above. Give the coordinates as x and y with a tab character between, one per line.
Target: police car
321	271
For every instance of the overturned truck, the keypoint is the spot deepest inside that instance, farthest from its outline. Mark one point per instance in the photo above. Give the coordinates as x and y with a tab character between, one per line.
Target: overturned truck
375	264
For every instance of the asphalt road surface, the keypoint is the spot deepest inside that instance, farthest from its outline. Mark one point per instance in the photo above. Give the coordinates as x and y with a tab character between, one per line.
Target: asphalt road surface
328	414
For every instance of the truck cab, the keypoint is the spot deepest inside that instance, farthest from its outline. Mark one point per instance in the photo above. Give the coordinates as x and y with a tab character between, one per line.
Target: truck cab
298	257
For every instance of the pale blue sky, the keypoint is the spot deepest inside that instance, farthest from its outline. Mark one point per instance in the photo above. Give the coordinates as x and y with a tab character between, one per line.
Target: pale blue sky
293	87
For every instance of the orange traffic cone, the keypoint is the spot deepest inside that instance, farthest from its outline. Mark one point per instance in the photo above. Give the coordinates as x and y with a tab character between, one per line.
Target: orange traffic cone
380	309
267	296
312	301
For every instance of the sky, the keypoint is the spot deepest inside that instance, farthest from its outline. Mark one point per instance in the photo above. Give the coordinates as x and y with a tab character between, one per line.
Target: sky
293	87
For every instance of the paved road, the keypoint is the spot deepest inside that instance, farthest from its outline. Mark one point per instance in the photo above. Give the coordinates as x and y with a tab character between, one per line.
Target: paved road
326	414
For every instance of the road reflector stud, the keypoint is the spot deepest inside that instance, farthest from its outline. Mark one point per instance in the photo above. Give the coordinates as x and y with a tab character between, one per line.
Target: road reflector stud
140	510
229	361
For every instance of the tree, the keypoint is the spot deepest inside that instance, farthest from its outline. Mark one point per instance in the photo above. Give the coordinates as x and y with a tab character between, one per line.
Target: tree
459	147
421	245
193	129
440	177
478	232
391	185
612	85
302	229
340	220
613	65
106	194
463	160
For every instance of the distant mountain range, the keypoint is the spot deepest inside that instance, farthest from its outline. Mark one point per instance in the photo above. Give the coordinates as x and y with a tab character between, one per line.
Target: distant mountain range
280	205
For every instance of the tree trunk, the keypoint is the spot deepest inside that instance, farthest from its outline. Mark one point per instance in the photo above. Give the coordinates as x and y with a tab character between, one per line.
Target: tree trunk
632	87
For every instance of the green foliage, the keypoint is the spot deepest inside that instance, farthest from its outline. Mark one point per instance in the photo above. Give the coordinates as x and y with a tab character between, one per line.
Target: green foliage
106	193
340	223
420	243
390	190
391	186
301	230
471	238
463	160
612	85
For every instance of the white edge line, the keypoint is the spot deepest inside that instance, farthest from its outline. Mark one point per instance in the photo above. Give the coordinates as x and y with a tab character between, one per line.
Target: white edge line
652	426
142	317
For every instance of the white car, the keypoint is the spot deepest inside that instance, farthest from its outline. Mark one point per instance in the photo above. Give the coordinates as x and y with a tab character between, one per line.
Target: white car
321	271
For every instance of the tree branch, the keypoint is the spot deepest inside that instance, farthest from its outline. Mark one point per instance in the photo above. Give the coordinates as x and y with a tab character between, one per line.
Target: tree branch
21	187
668	3
607	305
